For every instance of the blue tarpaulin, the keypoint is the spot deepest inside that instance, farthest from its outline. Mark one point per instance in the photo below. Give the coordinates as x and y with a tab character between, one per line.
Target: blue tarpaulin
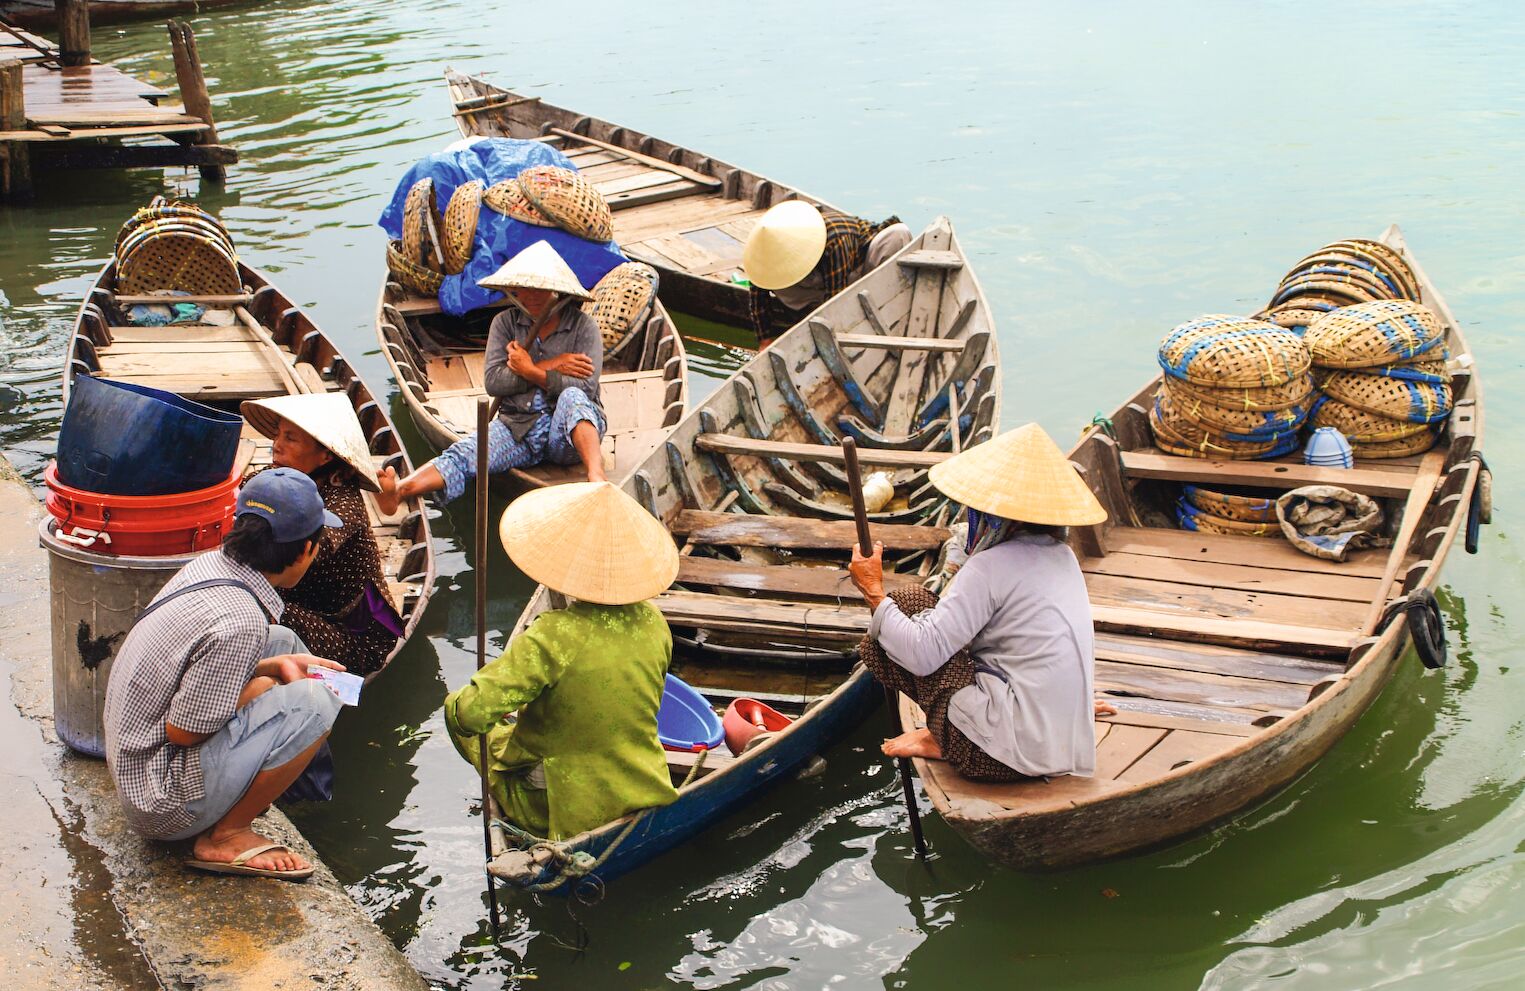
498	238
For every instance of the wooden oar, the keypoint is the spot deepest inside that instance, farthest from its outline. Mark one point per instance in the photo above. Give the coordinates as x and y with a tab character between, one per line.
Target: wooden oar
484	419
866	548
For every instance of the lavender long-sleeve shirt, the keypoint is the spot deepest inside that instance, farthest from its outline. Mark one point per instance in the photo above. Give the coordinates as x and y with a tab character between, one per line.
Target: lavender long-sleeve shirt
1022	610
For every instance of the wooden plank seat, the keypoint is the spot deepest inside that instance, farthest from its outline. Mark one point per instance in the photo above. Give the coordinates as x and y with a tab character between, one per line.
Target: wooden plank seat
883	458
795	533
680	764
832	583
1266	474
886	342
1188	545
772	617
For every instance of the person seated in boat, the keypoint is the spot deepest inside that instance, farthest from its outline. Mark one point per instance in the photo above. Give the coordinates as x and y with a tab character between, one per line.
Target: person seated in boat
586	679
798	256
544	358
339	608
210	712
1002	665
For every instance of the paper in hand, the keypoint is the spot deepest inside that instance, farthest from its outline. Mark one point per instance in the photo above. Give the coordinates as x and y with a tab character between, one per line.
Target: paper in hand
343	684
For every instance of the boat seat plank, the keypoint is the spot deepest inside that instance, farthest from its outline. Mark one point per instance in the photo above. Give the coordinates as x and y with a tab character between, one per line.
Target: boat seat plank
771	616
1280	475
1214	659
1142	710
1242	577
826	453
1133	717
1179	748
176	346
1224	603
887	342
1262	552
1240	632
832	583
932	259
178	334
795	533
1198	687
680	763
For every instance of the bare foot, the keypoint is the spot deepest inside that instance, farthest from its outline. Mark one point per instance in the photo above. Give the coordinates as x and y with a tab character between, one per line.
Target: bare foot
1105	708
223	849
917	743
387	499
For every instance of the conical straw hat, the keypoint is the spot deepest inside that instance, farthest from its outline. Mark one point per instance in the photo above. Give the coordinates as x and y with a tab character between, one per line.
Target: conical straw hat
1020	475
590	541
785	245
536	267
328	419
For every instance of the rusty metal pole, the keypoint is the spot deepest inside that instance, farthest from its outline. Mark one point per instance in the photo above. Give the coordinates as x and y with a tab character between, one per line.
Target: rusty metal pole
15	157
193	92
73	31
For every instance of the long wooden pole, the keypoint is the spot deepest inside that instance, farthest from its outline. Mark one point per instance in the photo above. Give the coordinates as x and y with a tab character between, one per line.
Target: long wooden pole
15	156
193	92
892	702
484	419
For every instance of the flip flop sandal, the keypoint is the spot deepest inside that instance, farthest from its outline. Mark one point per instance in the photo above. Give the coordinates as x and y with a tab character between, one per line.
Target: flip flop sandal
240	865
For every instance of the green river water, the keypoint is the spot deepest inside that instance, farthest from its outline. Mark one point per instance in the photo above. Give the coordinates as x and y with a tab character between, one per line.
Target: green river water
1112	169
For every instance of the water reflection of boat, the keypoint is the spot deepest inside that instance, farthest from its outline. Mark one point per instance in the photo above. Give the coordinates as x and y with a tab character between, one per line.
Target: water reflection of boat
762	607
680	211
269	347
1236	662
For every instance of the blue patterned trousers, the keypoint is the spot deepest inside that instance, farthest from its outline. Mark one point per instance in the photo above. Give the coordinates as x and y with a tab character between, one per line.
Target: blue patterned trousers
549	439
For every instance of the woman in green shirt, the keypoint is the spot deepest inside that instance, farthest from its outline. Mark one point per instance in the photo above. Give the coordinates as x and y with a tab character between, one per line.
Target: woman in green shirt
586	680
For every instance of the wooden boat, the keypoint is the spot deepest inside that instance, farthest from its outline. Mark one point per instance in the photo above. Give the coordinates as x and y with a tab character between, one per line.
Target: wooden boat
751	487
273	348
682	212
438	362
1236	662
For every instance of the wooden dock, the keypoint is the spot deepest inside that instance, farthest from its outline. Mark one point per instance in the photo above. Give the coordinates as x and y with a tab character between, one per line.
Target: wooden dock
62	109
43	14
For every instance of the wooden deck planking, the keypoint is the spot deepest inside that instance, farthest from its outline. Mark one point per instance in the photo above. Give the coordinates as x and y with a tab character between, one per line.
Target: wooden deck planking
1229	549
1224	603
1177	749
1281	475
796	533
1244	577
1216	690
832	583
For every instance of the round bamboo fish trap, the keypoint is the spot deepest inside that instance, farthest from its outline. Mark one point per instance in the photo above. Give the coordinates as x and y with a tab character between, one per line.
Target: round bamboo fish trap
411	275
1421	369
570	200
460	227
1235	423
180	261
1175	435
1241	507
1329	269
174	213
508	199
1394	398
179	228
1192	518
1417	444
1377	333
1361	427
621	300
421	226
1325	287
1296	315
1385	261
1227	351
1266	398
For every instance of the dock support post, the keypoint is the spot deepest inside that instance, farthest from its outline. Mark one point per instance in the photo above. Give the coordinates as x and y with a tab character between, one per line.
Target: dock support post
193	92
73	31
15	157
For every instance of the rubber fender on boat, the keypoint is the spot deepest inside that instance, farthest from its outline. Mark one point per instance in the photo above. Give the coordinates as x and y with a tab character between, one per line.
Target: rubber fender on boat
1480	510
1421	610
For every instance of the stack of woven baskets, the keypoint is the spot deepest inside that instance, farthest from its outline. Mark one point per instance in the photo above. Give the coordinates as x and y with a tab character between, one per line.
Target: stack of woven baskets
1234	387
550	196
1238	512
621	302
1340	274
434	245
168	246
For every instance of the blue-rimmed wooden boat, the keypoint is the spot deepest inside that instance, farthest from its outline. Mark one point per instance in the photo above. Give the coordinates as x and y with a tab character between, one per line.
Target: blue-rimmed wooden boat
751	486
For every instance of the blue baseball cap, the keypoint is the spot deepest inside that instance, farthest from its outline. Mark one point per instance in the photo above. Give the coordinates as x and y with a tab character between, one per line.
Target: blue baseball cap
289	500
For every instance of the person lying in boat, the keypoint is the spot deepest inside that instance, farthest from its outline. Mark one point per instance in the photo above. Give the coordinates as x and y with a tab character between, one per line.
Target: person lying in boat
586	680
210	713
1002	665
339	608
544	358
797	258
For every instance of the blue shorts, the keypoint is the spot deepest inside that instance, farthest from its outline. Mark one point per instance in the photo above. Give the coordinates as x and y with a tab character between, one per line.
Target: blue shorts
265	734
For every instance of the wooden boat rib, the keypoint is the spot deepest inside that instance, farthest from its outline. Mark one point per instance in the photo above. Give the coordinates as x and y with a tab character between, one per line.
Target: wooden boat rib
274	348
438	362
762	606
1236	662
684	213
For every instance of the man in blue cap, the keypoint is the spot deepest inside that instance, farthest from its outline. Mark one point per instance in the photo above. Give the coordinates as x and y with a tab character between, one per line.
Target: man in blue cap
210	712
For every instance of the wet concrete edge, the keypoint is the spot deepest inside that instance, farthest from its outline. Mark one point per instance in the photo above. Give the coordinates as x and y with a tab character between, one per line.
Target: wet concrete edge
188	930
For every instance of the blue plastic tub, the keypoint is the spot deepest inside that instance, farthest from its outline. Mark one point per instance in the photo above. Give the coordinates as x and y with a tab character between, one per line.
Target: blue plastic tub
124	439
685	721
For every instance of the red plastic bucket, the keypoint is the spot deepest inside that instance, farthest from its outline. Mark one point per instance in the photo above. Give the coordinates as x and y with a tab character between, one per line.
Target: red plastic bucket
141	526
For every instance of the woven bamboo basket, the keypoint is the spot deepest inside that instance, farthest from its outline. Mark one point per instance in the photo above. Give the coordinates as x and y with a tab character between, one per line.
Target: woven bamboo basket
1227	351
1265	398
1323	288
1421	369
187	226
1359	426
1192	518
1369	334
1294	316
191	217
1235	424
1331	270
1177	436
622	300
571	201
508	199
421	227
177	260
460	227
1385	261
1239	506
411	275
1394	398
160	241
1417	444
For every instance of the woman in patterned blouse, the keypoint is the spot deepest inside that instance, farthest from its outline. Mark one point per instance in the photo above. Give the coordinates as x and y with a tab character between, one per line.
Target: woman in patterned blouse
333	607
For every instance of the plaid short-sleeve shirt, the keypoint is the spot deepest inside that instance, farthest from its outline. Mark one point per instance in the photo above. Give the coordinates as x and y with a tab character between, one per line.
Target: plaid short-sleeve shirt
185	663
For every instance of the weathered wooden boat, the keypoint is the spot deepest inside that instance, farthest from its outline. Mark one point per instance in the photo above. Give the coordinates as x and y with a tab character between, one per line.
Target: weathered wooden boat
680	211
751	486
271	348
1236	662
438	361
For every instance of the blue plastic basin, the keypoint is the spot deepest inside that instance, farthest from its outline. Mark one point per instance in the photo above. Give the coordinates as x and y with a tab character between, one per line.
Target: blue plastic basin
685	721
124	439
